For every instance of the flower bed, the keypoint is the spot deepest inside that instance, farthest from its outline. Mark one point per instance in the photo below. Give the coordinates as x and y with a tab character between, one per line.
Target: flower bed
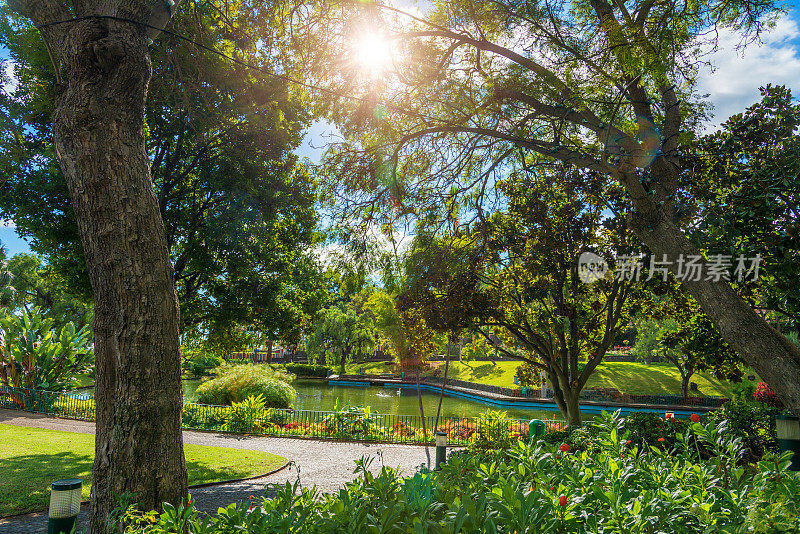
616	486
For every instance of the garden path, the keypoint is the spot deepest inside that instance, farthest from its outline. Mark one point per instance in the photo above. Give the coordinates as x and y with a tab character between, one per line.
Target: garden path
326	464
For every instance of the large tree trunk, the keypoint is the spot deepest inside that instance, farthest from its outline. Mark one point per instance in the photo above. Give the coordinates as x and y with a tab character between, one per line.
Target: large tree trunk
99	138
572	402
771	355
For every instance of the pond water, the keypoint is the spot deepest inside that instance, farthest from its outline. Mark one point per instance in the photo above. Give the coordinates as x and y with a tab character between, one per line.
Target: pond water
318	395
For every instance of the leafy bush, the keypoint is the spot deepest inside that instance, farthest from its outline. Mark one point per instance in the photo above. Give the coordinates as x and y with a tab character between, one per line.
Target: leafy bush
579	438
236	383
751	422
308	370
33	355
245	416
743	390
649	429
205	417
493	431
532	489
201	363
348	421
527	375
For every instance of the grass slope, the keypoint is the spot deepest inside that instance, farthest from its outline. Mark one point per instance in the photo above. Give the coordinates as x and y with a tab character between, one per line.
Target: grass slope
32	458
654	379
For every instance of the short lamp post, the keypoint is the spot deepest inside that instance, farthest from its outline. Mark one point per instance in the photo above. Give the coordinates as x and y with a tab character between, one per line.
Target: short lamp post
65	504
788	430
441	448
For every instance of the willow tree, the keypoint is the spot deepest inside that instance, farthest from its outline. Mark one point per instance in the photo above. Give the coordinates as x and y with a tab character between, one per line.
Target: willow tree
605	86
341	335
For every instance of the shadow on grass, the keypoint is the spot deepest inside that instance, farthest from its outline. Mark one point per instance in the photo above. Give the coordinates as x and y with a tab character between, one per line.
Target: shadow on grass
631	379
26	479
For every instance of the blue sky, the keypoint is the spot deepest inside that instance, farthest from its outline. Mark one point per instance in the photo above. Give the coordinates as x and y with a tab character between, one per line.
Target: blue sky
732	86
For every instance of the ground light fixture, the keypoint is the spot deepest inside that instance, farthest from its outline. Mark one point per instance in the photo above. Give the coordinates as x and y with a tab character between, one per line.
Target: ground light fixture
788	430
441	448
65	503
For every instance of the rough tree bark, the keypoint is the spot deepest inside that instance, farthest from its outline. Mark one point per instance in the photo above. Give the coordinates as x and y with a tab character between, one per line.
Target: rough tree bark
685	378
98	129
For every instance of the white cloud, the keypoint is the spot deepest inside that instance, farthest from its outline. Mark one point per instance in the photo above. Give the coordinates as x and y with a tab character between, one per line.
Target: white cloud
734	83
9	80
330	254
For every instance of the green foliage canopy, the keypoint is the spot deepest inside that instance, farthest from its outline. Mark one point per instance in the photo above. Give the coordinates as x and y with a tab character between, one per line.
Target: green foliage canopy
237	205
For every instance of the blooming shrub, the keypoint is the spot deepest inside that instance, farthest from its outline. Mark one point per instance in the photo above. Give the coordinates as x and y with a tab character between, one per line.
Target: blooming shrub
533	489
765	395
404	428
647	428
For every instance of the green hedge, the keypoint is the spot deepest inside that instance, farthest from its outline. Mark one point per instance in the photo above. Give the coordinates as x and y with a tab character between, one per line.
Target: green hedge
305	370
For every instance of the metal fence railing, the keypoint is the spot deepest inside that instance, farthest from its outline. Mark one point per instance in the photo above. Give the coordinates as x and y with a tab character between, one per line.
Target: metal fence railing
350	423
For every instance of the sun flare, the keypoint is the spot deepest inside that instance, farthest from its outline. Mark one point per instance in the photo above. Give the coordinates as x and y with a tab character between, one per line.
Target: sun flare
372	52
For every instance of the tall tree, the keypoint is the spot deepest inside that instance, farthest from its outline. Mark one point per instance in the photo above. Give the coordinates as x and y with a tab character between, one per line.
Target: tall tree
517	275
602	85
745	181
103	68
341	335
237	206
696	347
38	285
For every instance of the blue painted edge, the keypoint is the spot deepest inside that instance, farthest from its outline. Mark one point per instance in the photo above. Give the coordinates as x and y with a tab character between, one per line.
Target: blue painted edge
550	407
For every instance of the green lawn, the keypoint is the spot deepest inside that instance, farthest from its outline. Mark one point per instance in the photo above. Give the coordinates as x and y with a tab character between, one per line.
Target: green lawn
31	458
654	379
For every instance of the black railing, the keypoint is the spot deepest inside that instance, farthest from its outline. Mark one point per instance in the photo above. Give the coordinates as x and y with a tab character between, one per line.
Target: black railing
350	423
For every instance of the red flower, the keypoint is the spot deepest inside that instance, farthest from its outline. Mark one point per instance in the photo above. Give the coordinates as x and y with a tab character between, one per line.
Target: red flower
552	488
562	501
695	418
564	447
670	417
628	442
660	439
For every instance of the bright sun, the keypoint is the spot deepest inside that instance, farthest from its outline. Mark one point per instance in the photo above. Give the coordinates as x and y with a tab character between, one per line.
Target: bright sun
372	52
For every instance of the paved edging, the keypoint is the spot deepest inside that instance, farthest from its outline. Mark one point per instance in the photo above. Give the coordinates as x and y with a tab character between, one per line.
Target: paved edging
235	480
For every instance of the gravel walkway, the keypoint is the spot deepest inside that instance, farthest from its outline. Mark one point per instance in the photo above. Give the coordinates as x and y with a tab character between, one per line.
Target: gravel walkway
325	464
